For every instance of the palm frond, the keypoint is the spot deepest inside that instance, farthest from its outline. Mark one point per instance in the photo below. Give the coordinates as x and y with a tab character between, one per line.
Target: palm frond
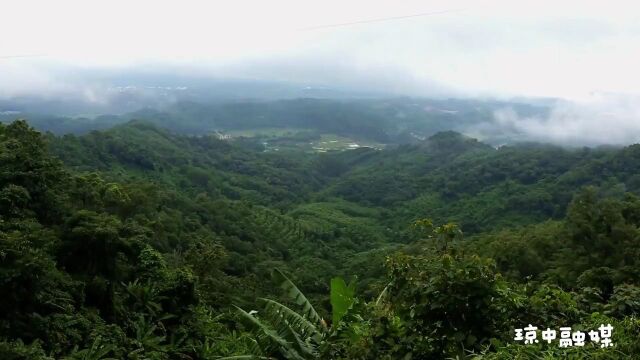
272	334
298	297
302	346
280	314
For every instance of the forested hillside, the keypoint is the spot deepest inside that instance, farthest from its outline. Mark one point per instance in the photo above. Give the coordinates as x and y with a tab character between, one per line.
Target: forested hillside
139	243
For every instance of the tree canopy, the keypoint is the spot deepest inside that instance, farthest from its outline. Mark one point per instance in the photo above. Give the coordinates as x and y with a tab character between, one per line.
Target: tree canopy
139	243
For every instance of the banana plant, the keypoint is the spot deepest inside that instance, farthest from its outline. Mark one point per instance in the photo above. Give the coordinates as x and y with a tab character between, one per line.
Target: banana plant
281	332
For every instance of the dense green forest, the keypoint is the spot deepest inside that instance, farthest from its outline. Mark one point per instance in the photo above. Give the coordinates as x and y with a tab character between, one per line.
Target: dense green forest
137	242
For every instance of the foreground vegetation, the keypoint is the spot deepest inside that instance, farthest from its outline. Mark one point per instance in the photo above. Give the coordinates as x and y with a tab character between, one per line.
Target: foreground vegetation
135	243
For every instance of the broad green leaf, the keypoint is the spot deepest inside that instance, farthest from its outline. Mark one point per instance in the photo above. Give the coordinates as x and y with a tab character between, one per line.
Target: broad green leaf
342	298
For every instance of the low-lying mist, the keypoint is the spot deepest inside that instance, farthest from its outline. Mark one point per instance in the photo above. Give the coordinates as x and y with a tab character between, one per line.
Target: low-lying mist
606	119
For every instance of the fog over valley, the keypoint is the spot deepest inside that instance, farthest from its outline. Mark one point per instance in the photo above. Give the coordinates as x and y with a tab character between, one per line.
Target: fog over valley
579	61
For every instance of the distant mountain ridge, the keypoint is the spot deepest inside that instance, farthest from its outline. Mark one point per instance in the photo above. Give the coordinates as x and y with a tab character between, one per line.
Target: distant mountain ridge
388	120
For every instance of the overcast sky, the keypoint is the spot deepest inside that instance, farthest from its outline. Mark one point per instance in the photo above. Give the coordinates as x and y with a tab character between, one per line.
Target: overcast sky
507	48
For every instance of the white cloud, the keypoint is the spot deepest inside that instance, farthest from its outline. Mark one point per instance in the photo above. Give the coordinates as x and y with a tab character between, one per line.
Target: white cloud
610	119
504	48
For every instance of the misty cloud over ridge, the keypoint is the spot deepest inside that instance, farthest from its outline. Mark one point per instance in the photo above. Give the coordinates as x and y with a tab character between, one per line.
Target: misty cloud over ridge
607	119
480	49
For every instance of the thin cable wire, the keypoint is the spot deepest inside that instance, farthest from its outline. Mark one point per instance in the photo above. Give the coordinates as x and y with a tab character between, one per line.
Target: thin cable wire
379	20
359	22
